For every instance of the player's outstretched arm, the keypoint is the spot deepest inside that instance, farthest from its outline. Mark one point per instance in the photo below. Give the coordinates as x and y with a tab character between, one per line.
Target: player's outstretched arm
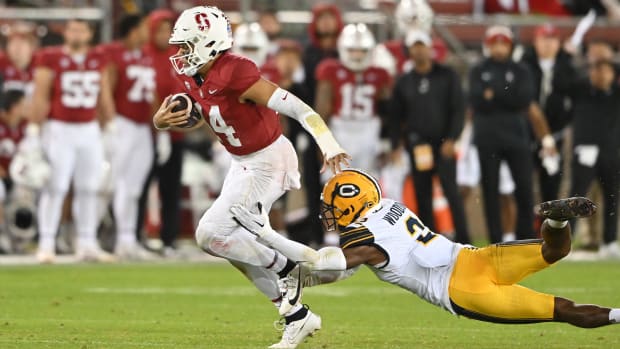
266	93
327	258
166	119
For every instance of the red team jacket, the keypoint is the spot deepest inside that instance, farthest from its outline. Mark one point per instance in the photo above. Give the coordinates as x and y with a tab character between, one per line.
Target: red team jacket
355	94
135	83
76	83
14	78
243	128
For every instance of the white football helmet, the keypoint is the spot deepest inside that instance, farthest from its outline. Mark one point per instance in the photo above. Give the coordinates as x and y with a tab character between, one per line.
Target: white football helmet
251	42
356	37
413	14
204	31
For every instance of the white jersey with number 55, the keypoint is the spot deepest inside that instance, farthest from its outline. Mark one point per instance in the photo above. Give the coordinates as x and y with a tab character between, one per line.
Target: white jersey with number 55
417	259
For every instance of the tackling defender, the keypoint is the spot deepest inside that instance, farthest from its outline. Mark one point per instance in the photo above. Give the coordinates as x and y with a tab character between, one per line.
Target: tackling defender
240	107
479	283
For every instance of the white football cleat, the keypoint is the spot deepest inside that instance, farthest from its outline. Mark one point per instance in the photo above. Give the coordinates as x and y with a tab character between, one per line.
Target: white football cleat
296	331
46	257
291	287
134	253
95	254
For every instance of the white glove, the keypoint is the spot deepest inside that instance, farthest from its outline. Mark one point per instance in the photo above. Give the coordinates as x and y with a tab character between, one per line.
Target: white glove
164	147
255	223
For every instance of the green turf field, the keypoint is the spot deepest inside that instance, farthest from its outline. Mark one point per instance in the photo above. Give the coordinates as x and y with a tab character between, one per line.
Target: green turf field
213	306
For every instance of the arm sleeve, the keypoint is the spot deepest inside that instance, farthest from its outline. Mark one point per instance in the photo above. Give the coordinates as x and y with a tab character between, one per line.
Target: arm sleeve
288	104
457	107
327	258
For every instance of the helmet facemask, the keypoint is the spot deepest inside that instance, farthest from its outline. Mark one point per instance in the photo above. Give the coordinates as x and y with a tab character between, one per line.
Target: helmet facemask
187	61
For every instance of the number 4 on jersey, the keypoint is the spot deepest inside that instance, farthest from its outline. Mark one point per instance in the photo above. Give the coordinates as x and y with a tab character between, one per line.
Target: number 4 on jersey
219	126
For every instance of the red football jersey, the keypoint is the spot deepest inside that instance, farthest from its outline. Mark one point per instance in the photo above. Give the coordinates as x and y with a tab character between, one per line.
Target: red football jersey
355	94
9	139
77	82
135	81
270	72
243	128
14	78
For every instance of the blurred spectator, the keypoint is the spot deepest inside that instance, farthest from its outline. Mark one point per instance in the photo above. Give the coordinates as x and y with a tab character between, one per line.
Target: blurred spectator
268	20
610	8
251	42
554	76
596	145
132	79
428	113
16	66
71	91
546	7
500	96
12	125
324	30
170	145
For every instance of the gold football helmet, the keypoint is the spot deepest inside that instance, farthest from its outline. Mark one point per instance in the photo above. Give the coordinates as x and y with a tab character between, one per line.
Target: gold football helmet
346	197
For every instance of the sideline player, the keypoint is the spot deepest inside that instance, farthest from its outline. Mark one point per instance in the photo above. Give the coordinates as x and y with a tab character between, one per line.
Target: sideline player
132	80
351	92
240	107
479	283
69	87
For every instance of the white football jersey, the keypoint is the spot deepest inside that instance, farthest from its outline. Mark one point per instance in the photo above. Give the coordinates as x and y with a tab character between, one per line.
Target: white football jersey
417	259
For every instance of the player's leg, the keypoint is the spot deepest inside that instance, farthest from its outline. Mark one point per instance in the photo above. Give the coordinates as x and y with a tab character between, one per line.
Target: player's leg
61	153
89	163
132	163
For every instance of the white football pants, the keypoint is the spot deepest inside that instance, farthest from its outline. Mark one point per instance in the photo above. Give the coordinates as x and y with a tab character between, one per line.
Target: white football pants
261	176
132	160
75	151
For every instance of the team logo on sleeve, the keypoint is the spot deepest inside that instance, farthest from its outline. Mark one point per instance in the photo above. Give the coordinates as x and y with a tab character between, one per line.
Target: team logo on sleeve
202	21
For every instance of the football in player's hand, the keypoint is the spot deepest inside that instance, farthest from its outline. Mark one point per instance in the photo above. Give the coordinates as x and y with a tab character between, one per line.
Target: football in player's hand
194	115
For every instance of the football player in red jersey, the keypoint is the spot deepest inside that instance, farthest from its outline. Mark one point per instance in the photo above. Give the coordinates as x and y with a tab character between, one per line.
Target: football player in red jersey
69	88
16	64
351	93
132	79
241	108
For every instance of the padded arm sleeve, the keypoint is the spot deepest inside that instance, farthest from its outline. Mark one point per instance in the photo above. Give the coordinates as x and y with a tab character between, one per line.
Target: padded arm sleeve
327	258
288	104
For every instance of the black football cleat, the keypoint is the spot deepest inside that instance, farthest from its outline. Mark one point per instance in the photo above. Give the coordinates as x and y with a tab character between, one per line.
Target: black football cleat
566	209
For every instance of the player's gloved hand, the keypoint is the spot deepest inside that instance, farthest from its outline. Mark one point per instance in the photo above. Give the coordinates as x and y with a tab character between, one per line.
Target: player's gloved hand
255	223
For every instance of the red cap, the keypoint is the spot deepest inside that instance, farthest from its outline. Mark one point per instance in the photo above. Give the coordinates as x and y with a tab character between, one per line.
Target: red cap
547	30
498	33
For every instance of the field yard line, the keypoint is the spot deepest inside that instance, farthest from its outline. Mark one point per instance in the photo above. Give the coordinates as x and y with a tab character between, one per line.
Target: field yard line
333	291
77	342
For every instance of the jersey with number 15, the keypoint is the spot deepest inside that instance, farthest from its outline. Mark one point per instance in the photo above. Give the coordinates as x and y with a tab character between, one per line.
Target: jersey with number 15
355	93
243	128
76	83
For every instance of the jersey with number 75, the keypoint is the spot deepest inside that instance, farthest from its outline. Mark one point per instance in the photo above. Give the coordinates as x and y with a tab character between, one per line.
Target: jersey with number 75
241	126
77	82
